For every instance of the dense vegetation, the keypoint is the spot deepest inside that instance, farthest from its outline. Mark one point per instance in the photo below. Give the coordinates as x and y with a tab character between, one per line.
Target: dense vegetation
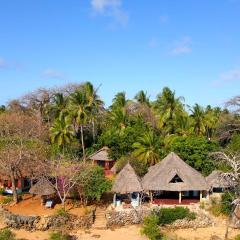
72	122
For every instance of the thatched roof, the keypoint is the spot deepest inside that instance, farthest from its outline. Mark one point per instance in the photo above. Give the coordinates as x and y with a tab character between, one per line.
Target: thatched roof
42	188
127	181
162	176
216	180
101	154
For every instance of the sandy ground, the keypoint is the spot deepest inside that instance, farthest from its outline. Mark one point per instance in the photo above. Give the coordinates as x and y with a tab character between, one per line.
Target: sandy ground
133	233
125	233
32	206
203	233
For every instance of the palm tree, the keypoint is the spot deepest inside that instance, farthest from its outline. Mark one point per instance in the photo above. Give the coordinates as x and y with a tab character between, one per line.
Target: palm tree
142	98
61	132
59	106
146	148
95	104
199	120
80	109
119	101
168	107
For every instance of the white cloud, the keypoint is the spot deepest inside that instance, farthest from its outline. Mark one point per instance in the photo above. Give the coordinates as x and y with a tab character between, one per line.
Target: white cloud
3	63
110	8
231	75
50	73
183	46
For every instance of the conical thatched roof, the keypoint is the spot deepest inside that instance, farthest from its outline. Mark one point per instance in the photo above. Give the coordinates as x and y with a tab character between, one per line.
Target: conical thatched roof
127	181
101	154
162	176
216	180
42	188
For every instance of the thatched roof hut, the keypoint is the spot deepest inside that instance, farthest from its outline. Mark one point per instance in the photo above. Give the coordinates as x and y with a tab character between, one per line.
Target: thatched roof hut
173	174
216	180
42	188
127	181
101	155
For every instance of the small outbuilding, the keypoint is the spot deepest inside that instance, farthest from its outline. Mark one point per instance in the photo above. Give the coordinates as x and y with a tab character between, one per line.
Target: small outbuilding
127	185
174	181
43	188
102	159
216	182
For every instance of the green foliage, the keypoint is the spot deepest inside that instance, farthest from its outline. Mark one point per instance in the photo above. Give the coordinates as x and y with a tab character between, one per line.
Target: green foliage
61	212
7	199
237	237
58	236
169	215
234	145
147	147
121	142
92	183
6	234
150	228
195	151
225	204
140	167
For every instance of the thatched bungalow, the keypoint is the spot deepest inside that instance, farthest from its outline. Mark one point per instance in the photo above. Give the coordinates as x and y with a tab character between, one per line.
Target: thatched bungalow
173	179
216	182
101	158
43	188
127	184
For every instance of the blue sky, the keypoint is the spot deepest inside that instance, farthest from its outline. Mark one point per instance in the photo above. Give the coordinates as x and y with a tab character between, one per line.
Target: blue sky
125	45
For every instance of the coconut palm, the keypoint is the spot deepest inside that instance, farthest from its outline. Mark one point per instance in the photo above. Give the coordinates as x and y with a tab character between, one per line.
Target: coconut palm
59	106
142	98
199	120
95	104
168	107
80	111
119	101
146	148
61	132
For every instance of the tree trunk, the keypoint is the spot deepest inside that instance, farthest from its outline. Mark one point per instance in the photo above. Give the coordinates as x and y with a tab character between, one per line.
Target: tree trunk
93	130
83	147
14	190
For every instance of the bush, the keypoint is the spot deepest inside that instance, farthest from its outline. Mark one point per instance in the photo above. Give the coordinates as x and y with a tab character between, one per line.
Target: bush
237	237
6	200
6	234
150	227
62	212
59	236
226	203
169	215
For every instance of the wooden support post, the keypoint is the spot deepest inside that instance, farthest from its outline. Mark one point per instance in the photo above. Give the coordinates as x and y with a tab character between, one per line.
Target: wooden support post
180	197
114	200
151	197
200	196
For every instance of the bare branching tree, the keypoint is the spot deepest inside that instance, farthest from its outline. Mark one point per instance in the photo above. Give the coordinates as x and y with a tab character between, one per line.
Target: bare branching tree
232	177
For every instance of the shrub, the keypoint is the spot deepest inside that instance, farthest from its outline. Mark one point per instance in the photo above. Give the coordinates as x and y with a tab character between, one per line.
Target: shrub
6	234
237	237
6	200
59	236
226	203
169	215
62	212
1	191
150	227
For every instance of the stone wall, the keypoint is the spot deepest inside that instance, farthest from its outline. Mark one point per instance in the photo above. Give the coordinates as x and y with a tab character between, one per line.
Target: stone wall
126	216
136	216
44	223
